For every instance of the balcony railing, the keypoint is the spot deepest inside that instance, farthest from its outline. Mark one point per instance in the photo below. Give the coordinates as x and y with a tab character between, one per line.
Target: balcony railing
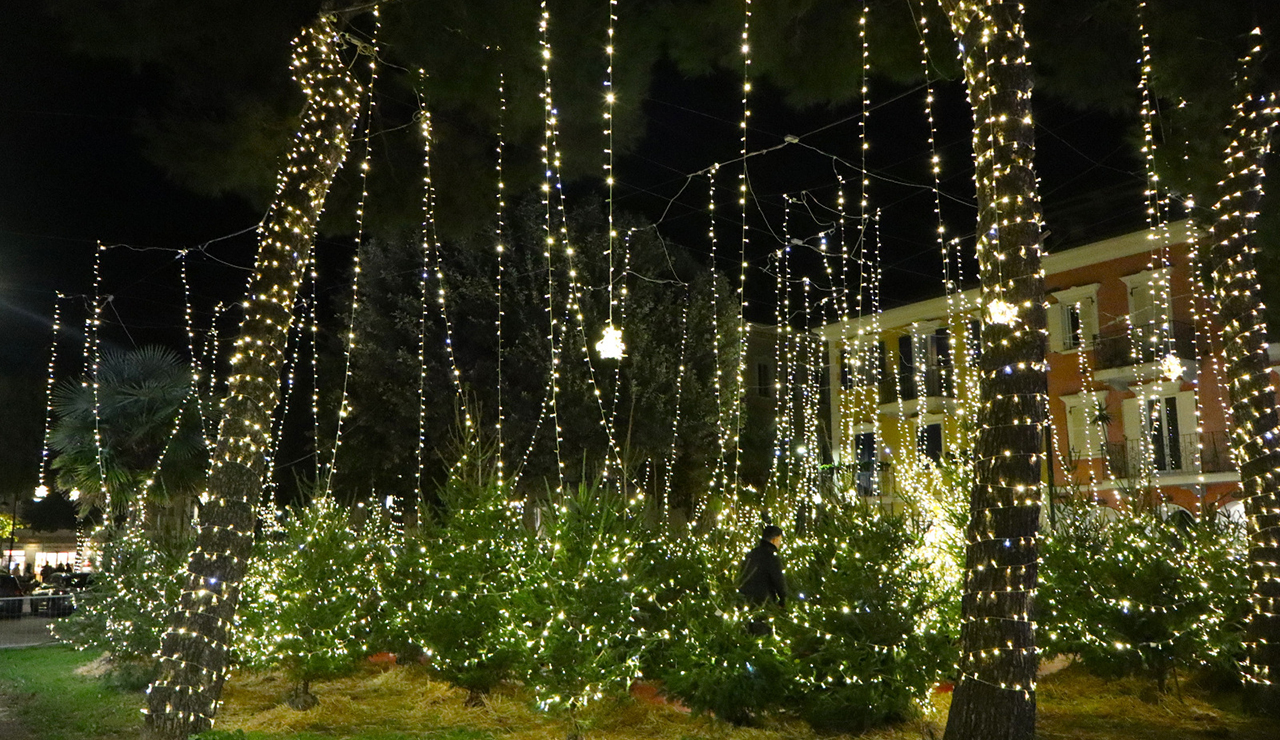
936	384
1126	459
1142	344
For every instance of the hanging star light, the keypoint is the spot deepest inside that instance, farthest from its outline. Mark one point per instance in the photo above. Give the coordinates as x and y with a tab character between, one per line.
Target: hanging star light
610	346
1002	312
1171	367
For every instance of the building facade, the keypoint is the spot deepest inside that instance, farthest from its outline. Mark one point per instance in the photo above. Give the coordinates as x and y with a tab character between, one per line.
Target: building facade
1137	405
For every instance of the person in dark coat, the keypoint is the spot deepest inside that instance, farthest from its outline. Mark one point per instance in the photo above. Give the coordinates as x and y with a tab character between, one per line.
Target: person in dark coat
762	579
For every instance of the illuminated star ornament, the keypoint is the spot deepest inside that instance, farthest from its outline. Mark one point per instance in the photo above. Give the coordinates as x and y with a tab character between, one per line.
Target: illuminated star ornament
1171	367
1002	312
610	346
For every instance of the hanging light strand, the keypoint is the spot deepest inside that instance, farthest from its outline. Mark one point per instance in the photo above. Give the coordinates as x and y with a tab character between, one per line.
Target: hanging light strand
500	253
349	343
50	381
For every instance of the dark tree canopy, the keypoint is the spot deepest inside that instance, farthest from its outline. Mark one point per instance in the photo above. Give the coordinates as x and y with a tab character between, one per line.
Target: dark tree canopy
380	446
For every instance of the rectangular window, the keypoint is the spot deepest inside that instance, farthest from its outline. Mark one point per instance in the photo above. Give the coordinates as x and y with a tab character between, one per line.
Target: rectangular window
764	380
906	367
864	458
1072	326
929	441
1165	437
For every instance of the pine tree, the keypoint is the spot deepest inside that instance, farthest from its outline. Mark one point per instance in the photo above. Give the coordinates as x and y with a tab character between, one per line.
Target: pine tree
470	610
995	697
194	653
313	596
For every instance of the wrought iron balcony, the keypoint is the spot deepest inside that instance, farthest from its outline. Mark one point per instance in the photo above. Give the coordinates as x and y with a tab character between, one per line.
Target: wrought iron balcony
1143	344
1126	459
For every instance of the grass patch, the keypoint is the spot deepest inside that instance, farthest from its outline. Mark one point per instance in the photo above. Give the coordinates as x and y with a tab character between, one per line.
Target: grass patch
1074	704
42	692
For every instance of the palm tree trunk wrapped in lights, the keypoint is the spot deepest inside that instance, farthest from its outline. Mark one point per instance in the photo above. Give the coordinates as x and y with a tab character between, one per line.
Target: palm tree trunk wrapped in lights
194	650
995	695
1256	423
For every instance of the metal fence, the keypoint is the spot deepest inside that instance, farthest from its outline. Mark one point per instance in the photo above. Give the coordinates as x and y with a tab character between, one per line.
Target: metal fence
25	620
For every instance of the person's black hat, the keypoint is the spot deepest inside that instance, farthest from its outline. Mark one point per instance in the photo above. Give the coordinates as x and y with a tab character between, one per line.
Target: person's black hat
771	531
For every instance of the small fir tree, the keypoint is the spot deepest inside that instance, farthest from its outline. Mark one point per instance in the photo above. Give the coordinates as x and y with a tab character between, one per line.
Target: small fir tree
872	628
588	577
1144	593
468	606
313	595
124	611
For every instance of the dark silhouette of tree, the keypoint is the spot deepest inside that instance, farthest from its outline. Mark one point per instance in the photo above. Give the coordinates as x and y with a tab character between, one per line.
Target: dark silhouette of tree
637	394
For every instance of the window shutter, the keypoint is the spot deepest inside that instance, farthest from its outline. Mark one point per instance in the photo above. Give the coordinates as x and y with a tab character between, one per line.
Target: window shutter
1054	321
1088	321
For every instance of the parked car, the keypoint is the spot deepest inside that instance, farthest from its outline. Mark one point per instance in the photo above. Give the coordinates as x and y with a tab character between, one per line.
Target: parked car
10	596
55	597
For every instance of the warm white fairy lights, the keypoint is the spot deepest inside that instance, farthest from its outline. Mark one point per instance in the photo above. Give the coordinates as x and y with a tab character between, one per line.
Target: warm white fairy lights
553	190
717	382
194	654
1255	430
349	340
667	479
93	358
49	382
500	255
743	184
610	346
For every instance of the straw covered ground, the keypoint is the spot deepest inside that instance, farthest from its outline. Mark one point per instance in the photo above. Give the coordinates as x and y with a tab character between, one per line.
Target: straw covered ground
54	693
402	702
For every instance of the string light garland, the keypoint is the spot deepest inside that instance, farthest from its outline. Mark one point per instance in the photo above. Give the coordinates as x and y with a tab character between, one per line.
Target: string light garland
50	381
1255	436
500	253
995	693
194	652
610	346
554	330
349	343
743	182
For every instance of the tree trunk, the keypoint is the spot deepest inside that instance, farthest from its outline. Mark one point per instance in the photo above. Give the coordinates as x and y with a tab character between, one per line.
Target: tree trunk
995	695
1255	438
194	650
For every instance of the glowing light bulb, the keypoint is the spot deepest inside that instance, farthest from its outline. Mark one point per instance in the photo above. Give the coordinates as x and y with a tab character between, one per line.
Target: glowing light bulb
1002	312
610	346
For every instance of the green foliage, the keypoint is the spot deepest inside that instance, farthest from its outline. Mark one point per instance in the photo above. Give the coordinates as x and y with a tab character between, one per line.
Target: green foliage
313	593
1144	593
704	654
875	627
869	628
584	590
465	585
149	427
124	612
